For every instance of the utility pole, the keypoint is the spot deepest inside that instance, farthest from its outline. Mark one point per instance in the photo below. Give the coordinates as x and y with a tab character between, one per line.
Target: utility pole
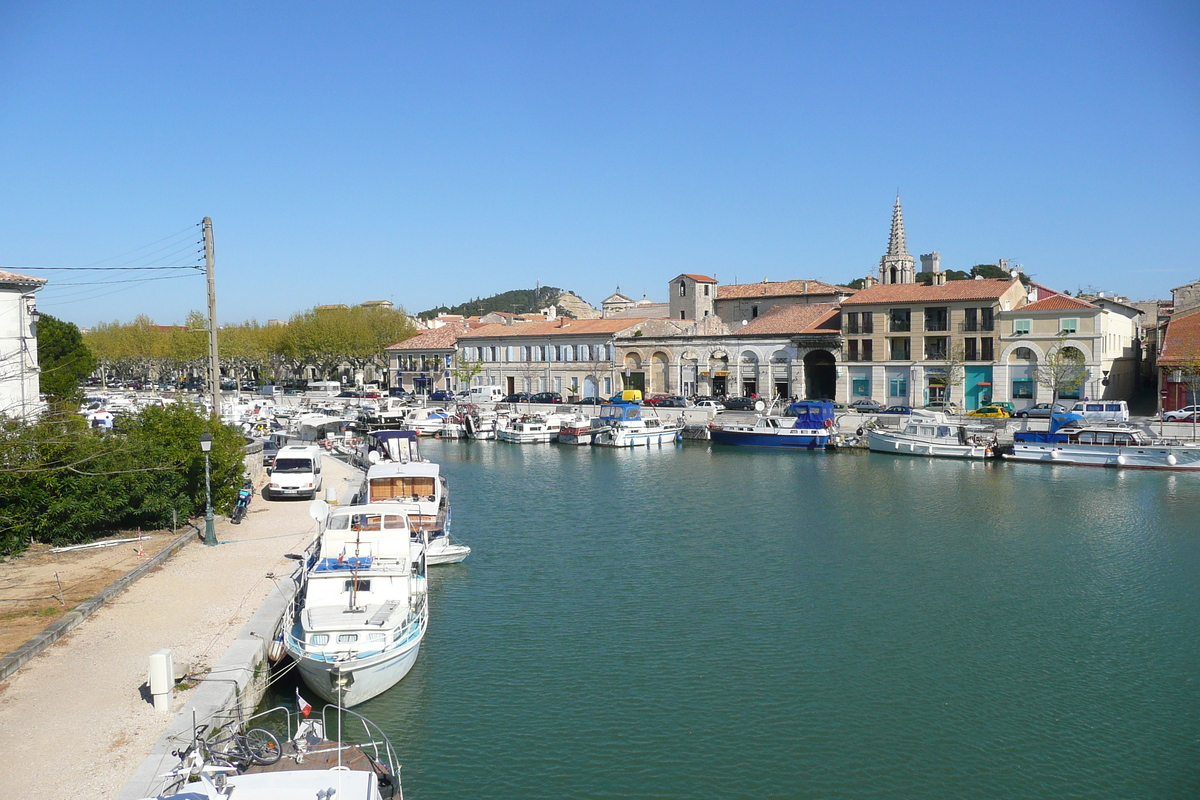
214	365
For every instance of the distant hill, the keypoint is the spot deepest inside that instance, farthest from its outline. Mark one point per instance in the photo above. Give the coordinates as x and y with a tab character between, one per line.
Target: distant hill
518	301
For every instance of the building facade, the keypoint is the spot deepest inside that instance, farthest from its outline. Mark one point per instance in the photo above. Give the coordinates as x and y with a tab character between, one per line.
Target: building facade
19	398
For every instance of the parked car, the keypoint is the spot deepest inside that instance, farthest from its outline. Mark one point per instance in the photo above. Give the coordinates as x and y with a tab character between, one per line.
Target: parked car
396	391
672	402
372	395
654	400
905	410
1187	413
1102	410
546	397
712	405
1009	407
943	406
988	411
865	405
591	401
517	397
349	394
270	450
1042	411
739	403
442	394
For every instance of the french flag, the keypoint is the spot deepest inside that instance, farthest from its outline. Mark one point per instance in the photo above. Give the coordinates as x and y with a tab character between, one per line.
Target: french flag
302	704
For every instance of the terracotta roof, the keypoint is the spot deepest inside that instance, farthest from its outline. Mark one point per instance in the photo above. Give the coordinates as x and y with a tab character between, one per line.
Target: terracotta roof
1181	345
811	318
554	328
16	277
1057	302
442	338
986	289
701	278
778	289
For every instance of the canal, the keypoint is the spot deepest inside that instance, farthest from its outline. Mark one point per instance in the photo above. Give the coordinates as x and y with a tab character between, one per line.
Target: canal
701	621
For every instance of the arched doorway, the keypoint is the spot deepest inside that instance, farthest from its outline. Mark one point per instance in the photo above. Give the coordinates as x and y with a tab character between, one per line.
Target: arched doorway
749	373
718	369
781	378
820	375
632	373
659	373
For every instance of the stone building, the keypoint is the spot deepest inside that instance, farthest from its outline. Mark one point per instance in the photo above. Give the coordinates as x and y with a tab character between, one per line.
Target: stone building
897	266
425	362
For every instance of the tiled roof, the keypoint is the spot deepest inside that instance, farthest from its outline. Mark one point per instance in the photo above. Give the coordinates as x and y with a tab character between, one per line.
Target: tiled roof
1181	345
986	289
778	289
441	338
16	277
701	278
812	318
553	328
1057	302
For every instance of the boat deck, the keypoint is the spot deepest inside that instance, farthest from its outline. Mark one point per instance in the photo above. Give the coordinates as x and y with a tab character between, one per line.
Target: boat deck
323	755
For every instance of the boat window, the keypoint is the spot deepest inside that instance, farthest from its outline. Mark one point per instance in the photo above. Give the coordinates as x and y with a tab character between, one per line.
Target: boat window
378	637
318	639
927	430
1124	439
1087	437
1104	438
362	585
943	430
347	638
401	488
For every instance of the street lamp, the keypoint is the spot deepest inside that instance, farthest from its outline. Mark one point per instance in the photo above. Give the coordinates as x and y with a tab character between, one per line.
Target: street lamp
210	536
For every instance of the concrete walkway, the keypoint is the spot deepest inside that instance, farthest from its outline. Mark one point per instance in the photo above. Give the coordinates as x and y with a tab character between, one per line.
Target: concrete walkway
73	721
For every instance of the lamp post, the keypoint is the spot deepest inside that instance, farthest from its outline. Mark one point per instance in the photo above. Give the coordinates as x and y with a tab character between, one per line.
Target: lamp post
210	536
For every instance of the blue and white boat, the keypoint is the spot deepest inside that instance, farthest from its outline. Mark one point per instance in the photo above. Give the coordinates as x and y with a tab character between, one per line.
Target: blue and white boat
628	424
362	610
807	424
1070	440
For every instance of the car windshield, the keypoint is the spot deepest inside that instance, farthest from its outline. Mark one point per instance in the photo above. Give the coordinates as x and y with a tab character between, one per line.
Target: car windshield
293	465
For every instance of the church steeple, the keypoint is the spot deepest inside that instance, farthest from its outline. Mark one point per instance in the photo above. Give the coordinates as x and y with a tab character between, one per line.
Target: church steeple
897	266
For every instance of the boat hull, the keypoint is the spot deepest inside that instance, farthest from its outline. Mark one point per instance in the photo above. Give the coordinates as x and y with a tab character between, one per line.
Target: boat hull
1143	457
908	446
620	438
798	439
370	676
442	551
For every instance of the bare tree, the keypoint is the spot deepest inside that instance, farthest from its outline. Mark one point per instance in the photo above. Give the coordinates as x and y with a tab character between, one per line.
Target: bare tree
1063	371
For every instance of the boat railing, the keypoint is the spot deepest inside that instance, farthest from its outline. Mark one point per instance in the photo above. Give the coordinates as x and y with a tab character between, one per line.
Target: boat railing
415	626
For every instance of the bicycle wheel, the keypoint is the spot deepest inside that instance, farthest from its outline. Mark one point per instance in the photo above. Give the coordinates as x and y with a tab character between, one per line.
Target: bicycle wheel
262	745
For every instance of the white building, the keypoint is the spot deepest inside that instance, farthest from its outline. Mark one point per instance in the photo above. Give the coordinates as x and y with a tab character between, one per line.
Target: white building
18	345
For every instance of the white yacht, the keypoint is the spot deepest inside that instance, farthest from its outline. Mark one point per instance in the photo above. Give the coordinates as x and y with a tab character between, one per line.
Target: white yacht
362	611
426	421
396	473
1070	440
930	434
632	425
530	429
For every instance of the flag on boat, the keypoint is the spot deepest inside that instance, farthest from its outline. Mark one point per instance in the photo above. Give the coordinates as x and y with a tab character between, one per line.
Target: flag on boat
302	704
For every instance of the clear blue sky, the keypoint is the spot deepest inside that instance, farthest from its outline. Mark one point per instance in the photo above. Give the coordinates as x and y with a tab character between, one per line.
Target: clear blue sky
430	153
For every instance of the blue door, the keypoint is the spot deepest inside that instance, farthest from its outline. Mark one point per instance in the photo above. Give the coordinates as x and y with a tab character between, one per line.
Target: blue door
977	387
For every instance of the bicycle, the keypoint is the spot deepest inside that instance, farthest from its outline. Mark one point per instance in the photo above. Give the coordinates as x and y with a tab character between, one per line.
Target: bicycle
256	746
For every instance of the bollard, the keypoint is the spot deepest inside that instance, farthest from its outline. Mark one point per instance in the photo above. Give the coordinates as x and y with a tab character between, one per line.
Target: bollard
162	679
331	495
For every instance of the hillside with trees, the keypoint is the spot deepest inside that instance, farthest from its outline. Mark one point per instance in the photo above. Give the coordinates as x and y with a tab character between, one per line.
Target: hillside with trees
517	301
980	270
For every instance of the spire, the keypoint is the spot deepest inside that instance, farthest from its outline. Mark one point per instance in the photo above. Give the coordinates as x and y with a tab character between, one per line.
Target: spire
896	243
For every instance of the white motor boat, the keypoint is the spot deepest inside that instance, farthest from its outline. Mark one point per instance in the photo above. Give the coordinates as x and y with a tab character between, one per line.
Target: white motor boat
1070	441
426	421
632	425
396	473
930	434
362	611
531	429
576	429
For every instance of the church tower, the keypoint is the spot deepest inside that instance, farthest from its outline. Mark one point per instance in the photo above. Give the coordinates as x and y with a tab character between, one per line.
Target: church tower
897	266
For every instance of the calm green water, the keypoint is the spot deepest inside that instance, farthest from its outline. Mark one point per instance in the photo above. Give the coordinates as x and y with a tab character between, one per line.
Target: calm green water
719	622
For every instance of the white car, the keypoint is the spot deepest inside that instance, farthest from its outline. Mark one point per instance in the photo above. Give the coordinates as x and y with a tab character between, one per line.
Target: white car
711	404
1180	414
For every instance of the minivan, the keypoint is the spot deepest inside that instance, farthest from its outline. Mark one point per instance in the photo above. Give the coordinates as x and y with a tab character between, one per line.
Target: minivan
296	472
1102	410
486	394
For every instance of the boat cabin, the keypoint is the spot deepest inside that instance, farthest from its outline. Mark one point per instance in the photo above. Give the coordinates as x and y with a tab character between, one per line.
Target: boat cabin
811	414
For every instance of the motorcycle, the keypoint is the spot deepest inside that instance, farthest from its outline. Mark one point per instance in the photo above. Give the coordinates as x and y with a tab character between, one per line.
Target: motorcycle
243	503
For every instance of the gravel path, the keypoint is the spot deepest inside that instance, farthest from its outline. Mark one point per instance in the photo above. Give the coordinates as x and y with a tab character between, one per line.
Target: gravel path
74	722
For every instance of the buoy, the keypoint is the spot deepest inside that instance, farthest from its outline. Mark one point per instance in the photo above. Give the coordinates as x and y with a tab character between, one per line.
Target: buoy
276	650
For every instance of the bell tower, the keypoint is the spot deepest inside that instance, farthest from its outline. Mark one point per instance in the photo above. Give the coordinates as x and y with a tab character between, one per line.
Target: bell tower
897	266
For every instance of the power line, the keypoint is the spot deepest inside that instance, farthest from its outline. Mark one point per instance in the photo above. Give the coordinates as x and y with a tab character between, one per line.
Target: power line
97	269
131	280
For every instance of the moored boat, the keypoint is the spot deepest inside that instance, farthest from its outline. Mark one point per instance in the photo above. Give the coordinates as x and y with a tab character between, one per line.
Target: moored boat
628	424
362	611
530	429
807	425
1070	441
930	434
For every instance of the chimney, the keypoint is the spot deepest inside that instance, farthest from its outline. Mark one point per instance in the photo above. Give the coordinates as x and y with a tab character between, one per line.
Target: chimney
869	281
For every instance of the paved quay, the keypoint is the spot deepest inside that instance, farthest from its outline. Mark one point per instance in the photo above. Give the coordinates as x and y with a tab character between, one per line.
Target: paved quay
74	722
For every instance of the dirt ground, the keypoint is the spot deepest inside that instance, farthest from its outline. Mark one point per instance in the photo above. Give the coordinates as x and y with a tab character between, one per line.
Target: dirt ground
38	586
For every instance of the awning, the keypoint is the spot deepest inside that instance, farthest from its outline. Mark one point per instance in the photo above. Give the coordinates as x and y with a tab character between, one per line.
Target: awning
984	383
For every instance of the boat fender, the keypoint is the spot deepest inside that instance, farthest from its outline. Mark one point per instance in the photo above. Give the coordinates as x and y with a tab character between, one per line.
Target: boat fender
859	432
828	423
1171	459
1121	461
276	650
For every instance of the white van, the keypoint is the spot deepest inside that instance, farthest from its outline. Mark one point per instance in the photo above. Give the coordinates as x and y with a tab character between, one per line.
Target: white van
296	472
486	394
1102	410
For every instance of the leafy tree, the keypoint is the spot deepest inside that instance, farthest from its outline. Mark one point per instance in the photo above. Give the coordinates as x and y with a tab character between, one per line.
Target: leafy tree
953	370
64	359
857	283
466	369
1062	371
